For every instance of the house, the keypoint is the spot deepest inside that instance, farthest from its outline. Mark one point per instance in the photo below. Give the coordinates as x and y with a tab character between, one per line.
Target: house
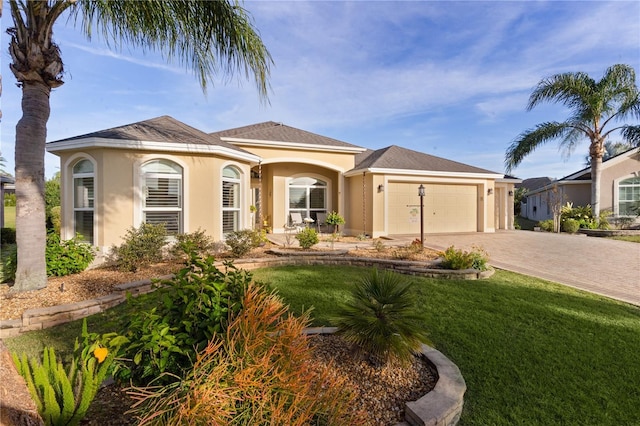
164	171
619	189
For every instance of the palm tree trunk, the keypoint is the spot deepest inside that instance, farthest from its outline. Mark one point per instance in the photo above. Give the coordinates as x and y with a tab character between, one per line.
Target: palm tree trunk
596	172
31	135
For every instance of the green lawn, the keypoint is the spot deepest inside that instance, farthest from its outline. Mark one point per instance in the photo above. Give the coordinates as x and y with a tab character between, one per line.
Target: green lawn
630	238
10	216
531	352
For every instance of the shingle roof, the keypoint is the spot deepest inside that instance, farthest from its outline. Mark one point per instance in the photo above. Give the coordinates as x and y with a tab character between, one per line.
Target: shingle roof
159	129
532	184
395	157
278	132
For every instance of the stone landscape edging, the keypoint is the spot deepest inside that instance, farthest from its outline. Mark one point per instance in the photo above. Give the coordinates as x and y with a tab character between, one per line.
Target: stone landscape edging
442	406
40	318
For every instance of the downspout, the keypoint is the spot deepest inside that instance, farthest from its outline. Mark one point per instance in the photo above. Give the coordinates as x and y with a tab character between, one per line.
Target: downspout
364	204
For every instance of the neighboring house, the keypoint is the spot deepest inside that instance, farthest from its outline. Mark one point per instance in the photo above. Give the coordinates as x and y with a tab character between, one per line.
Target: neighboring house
531	184
619	189
162	170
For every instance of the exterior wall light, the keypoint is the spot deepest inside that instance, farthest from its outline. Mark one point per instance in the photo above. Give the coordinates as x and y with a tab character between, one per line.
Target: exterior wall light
380	188
489	191
510	193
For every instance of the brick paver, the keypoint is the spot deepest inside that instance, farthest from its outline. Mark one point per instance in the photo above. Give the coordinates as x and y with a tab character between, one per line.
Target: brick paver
599	265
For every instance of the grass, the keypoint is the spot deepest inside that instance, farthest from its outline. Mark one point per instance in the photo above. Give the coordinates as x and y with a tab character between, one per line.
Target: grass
10	216
532	352
630	238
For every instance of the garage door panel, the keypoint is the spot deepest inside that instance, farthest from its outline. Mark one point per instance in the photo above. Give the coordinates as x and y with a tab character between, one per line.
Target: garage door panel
447	208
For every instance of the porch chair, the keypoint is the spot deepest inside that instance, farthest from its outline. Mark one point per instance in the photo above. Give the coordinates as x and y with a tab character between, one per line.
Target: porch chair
296	220
321	221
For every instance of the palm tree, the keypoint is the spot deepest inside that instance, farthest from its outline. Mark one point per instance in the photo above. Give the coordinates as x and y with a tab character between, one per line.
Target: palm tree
594	106
208	37
611	149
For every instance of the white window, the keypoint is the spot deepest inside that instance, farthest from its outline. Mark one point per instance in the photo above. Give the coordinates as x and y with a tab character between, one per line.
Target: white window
230	200
308	196
629	196
83	200
162	194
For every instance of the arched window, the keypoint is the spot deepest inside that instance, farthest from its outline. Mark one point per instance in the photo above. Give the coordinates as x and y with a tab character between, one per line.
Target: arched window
83	200
230	199
308	196
629	196
162	194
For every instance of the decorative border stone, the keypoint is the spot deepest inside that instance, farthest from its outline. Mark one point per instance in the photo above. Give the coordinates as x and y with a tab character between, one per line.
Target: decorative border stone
440	407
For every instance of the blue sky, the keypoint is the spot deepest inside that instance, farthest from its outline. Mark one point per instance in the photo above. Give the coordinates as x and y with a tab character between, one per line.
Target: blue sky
447	78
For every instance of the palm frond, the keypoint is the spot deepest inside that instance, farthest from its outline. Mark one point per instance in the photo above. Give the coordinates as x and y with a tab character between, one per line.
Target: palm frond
211	38
631	134
530	140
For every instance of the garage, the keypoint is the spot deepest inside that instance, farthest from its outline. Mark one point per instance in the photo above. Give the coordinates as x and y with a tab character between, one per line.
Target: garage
447	208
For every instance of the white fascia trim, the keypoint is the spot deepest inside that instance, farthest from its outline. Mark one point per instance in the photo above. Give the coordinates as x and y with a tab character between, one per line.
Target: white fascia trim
191	148
424	173
605	164
558	183
509	180
296	145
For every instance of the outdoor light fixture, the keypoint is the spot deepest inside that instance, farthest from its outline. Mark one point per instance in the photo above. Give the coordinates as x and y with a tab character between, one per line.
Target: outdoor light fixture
510	193
489	191
380	188
421	191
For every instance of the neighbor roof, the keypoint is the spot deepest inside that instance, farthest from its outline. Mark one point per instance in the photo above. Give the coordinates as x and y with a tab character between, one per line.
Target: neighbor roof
532	184
274	133
159	131
395	157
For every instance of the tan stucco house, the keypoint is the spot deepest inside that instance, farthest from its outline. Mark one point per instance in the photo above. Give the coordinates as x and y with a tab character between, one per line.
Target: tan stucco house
619	189
162	170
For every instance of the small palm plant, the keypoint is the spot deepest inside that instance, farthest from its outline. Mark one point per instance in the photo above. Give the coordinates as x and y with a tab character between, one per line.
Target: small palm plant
381	319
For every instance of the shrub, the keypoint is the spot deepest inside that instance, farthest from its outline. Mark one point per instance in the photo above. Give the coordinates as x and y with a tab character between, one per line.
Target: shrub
241	242
141	247
457	259
9	257
546	225
582	214
196	241
307	238
67	257
379	246
55	218
260	373
334	219
7	236
62	396
196	305
62	257
571	226
381	318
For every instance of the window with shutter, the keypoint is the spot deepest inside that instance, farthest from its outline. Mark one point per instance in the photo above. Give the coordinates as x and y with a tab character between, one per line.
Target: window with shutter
83	200
162	194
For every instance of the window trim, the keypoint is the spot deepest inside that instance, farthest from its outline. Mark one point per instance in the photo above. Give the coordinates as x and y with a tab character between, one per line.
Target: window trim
239	209
328	194
138	188
616	192
68	226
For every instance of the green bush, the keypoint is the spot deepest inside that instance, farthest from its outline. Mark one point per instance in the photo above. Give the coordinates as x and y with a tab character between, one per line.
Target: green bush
67	257
196	241
241	242
381	318
10	200
582	214
571	226
196	305
7	236
62	257
55	218
546	225
62	396
141	247
307	238
334	219
457	259
9	257
261	372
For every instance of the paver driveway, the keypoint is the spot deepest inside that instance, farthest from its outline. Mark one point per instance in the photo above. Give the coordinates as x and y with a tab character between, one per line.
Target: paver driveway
599	265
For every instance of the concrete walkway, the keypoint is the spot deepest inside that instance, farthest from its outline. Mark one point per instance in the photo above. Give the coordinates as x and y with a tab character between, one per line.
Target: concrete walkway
599	265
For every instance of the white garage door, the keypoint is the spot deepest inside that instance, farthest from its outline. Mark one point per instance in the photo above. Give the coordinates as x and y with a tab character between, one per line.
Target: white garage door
447	208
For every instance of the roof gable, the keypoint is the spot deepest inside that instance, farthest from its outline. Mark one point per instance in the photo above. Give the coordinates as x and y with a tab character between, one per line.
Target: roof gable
163	129
395	157
270	131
